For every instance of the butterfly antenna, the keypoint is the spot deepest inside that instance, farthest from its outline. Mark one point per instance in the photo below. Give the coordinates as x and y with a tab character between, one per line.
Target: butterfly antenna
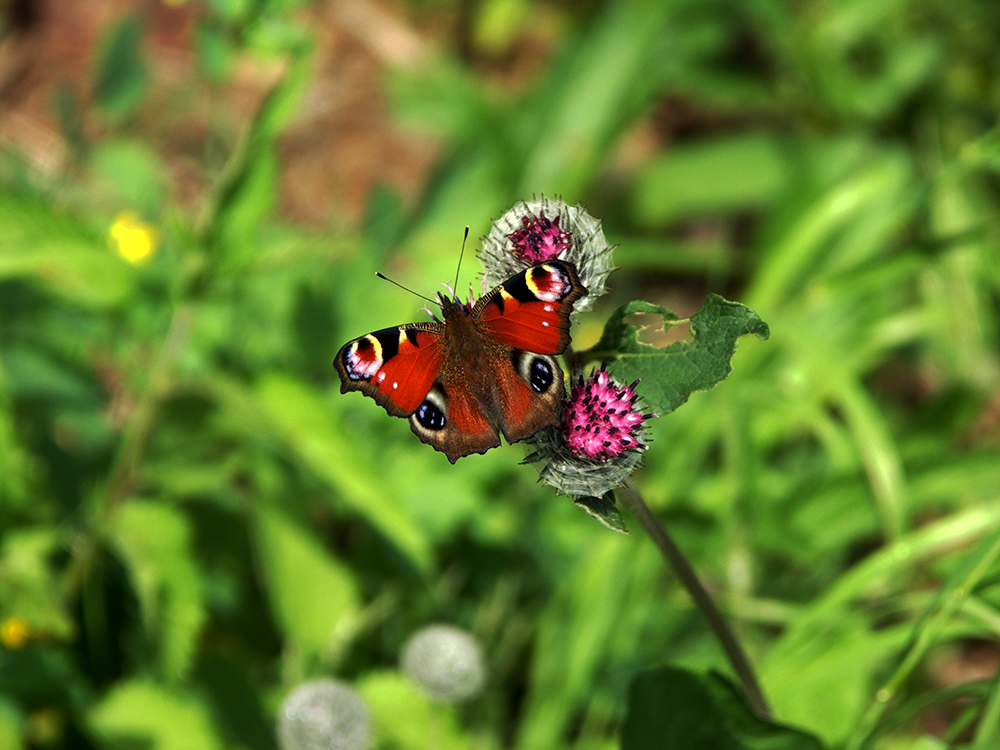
461	255
405	289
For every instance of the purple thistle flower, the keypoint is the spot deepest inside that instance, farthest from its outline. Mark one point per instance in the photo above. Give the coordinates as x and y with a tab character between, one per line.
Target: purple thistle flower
540	239
599	442
600	420
542	229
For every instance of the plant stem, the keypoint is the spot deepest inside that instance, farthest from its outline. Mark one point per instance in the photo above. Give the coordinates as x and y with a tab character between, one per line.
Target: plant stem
142	421
702	599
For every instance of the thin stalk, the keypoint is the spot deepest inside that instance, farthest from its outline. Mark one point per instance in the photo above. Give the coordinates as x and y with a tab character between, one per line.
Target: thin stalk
703	600
140	426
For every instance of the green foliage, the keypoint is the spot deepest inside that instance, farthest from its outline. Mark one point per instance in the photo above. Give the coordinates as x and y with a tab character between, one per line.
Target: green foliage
313	595
132	173
677	709
390	697
10	726
674	372
604	510
59	252
193	520
153	542
28	586
719	176
324	445
156	717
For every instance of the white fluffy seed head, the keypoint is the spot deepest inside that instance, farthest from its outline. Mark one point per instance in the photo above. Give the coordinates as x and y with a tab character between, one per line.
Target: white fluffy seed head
324	715
445	663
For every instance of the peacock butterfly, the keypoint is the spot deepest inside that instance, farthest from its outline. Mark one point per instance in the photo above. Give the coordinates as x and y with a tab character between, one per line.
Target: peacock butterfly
482	370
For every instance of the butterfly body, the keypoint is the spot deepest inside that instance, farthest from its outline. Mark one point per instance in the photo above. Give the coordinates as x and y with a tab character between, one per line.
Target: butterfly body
481	371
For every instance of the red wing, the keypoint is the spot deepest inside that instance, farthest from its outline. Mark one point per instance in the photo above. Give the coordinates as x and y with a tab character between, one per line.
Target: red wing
530	387
395	366
530	311
460	426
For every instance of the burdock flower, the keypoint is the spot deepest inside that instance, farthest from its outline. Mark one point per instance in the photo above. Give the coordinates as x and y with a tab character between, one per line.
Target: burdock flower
538	230
540	239
324	715
599	441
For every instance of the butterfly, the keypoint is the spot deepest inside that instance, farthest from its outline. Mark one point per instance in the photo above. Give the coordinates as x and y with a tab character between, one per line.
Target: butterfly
483	370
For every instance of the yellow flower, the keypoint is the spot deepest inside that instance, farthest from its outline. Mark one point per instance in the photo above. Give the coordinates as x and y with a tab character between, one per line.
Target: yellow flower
134	240
14	633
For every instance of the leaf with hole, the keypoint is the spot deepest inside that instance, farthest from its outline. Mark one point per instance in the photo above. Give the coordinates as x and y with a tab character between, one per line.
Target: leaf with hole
671	374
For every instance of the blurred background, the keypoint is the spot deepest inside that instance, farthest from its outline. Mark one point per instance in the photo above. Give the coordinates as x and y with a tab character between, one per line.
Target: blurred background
194	522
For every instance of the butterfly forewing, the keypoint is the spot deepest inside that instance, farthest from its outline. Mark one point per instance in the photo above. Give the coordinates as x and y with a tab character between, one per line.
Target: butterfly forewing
395	366
530	311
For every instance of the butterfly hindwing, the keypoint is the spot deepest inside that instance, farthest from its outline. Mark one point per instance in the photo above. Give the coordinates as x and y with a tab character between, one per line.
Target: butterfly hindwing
395	366
452	420
530	392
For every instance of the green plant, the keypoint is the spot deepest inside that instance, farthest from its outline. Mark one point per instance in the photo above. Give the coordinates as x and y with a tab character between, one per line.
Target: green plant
193	522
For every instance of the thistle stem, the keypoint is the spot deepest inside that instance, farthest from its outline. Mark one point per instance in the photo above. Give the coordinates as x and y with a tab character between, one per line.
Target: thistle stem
703	600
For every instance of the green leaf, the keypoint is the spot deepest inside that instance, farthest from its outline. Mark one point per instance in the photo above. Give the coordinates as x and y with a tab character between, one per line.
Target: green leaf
671	374
154	543
246	190
18	467
69	116
300	418
605	79
29	586
574	635
140	714
231	11
11	724
604	510
132	172
824	686
677	709
121	79
404	718
59	253
249	205
233	693
310	591
77	270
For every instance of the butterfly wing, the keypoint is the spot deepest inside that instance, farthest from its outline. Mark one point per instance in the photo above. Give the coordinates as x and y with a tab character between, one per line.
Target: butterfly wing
528	317
458	380
452	419
395	366
530	311
401	368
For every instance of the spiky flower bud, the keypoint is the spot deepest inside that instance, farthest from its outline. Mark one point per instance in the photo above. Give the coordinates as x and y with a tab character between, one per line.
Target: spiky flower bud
445	663
541	229
600	439
600	420
324	715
